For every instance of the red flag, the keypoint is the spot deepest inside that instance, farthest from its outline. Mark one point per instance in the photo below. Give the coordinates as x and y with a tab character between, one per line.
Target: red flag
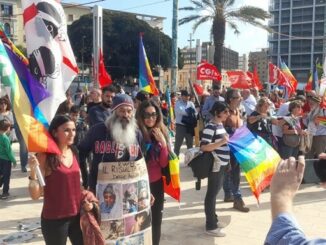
104	78
277	77
206	71
199	89
308	86
239	79
256	79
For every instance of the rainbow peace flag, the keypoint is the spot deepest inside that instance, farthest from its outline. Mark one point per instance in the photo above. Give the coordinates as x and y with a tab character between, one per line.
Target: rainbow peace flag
322	120
257	159
6	40
286	71
146	80
173	188
26	92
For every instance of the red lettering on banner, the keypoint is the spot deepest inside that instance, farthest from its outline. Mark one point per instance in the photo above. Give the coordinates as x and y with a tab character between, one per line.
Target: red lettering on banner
108	147
102	147
97	147
113	146
206	71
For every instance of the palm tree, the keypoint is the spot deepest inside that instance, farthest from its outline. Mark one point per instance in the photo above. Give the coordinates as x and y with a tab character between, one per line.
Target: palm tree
221	12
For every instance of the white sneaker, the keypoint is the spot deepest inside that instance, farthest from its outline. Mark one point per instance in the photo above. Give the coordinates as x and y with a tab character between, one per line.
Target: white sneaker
221	224
218	232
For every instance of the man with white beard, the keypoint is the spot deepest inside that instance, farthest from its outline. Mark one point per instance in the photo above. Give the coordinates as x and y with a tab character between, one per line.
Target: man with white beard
116	139
117	172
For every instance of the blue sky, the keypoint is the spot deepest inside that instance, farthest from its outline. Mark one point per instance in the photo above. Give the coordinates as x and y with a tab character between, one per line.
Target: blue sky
250	38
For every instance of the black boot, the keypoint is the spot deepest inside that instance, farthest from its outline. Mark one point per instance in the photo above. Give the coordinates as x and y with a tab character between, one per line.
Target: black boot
240	205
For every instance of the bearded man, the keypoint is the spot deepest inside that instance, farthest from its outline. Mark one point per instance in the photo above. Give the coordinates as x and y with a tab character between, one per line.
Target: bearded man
118	163
98	113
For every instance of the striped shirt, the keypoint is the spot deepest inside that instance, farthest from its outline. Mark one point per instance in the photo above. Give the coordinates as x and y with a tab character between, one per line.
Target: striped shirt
213	133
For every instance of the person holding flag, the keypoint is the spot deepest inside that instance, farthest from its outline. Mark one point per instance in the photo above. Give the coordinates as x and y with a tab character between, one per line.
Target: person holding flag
60	216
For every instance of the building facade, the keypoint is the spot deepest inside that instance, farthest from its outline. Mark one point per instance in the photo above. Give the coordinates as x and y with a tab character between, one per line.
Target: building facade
10	16
230	58
243	62
260	60
299	28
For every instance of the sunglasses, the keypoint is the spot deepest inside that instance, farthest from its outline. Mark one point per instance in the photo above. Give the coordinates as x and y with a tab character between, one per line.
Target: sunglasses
149	115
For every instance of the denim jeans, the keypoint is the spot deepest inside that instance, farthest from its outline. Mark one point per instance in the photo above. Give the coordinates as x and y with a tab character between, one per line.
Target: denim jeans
231	184
181	134
214	185
288	151
56	231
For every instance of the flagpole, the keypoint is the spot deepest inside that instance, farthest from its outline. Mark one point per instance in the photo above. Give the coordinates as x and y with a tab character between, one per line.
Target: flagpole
174	70
97	41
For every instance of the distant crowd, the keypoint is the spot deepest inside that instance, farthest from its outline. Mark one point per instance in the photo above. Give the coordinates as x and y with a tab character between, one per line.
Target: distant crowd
107	125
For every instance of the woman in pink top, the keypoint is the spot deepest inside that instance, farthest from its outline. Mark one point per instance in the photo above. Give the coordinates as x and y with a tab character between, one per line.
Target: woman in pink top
150	122
61	206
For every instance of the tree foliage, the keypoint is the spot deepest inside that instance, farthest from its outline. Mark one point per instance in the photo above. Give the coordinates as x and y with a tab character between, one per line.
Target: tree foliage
121	43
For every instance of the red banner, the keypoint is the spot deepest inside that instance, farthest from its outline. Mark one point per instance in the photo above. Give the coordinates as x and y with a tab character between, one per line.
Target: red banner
104	78
240	79
206	71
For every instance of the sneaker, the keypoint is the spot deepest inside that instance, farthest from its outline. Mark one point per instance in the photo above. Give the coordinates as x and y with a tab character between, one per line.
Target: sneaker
218	232
229	199
240	205
4	196
221	224
24	169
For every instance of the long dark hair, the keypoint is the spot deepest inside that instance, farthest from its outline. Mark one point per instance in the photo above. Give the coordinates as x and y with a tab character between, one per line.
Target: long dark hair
52	159
140	115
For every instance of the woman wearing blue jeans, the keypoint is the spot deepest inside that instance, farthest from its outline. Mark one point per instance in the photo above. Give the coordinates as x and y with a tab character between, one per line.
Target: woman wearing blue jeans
215	138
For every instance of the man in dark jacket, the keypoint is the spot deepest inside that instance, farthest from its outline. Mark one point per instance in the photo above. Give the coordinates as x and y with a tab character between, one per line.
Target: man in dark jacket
99	113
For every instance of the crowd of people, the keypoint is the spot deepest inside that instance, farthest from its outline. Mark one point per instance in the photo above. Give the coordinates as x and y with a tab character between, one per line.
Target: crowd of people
107	125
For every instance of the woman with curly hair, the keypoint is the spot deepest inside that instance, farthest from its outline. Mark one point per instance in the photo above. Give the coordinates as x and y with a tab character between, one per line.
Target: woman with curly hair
155	133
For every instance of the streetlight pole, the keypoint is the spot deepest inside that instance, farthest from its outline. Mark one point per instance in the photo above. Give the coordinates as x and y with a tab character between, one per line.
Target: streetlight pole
82	59
190	57
174	71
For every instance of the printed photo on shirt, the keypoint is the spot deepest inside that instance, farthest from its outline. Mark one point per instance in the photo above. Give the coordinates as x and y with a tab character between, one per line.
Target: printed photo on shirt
136	223
112	229
143	195
110	198
143	238
130	198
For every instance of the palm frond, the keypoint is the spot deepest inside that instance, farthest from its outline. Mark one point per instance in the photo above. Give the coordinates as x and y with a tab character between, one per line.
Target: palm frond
250	13
230	3
197	3
188	8
209	3
234	27
254	22
188	19
201	21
